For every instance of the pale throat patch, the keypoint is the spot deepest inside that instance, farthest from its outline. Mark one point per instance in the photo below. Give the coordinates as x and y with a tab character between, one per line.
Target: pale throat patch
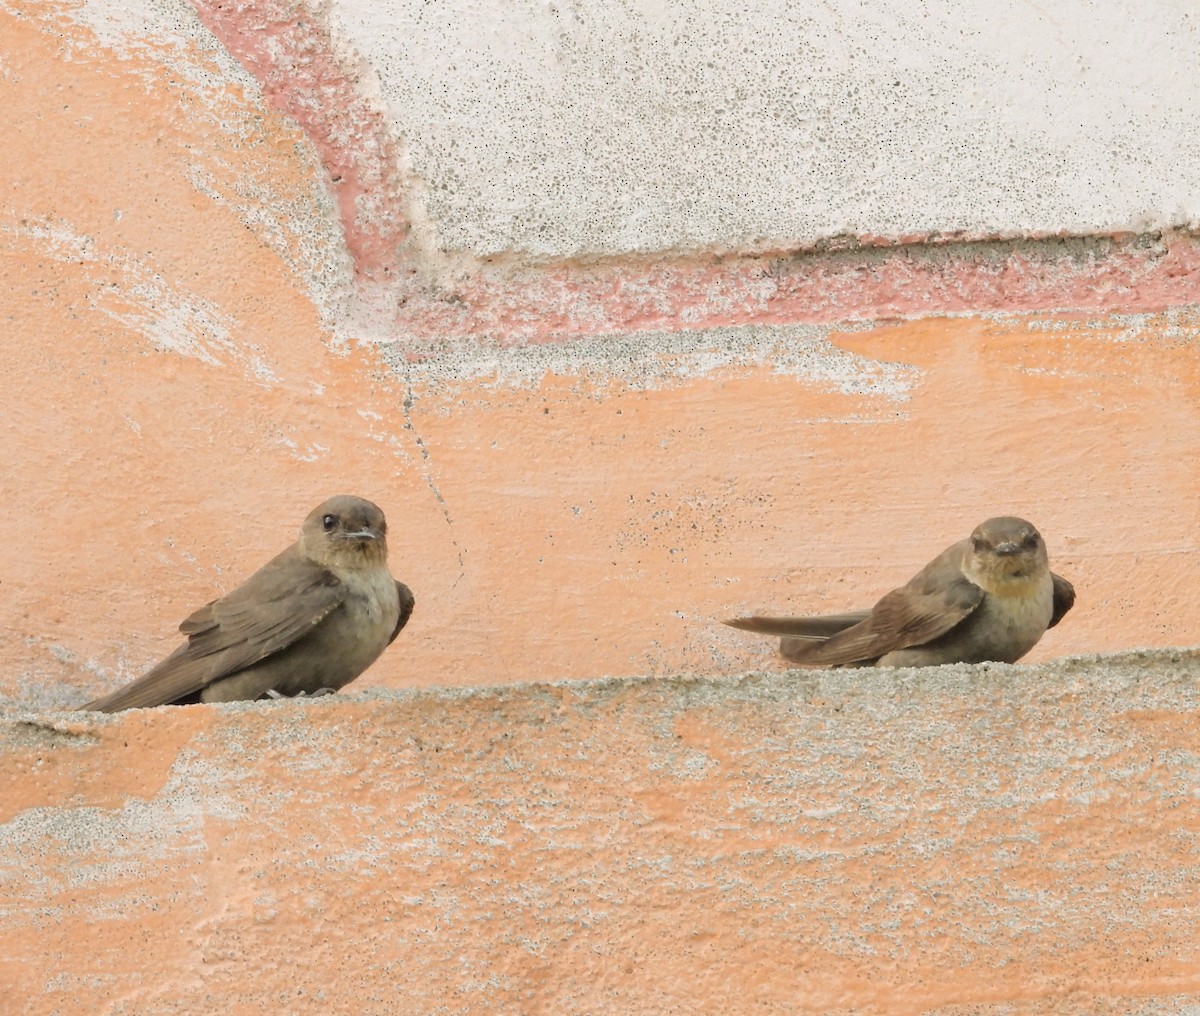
1003	584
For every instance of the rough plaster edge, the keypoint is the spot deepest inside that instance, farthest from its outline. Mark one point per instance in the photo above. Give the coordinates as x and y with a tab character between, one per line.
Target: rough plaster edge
1140	273
1113	670
656	359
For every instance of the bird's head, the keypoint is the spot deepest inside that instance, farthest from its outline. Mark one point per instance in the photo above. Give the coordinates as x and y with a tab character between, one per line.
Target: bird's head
345	531
1005	551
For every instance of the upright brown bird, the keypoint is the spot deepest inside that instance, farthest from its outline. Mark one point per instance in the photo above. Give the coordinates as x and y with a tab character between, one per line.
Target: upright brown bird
311	619
989	597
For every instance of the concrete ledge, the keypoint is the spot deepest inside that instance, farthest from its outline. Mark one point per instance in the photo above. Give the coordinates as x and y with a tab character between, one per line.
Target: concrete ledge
982	839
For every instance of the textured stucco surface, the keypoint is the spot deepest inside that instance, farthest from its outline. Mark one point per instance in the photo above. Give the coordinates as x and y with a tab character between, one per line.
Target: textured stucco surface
241	268
985	840
133	123
570	129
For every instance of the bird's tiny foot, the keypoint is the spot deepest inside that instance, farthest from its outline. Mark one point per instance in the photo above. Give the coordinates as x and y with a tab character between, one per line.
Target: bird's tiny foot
273	694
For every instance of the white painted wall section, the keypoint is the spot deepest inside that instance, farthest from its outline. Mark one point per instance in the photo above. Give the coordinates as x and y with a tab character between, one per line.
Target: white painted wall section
559	128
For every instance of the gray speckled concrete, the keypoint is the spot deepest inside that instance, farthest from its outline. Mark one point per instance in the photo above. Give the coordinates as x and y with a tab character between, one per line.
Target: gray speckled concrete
612	126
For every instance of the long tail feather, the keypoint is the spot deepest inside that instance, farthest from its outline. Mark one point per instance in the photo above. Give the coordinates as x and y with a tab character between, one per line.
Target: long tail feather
818	628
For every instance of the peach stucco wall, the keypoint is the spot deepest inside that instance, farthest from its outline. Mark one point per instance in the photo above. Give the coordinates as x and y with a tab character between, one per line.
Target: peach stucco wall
987	840
223	299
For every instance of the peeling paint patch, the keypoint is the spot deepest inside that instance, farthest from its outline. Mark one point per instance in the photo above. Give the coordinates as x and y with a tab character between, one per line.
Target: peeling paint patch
652	360
166	47
310	453
329	67
1174	326
146	301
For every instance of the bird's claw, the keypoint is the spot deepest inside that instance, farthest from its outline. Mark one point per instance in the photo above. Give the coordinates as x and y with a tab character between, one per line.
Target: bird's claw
273	694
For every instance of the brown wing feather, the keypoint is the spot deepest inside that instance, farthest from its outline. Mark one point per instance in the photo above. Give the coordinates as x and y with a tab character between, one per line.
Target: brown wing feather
935	600
1064	598
279	604
407	602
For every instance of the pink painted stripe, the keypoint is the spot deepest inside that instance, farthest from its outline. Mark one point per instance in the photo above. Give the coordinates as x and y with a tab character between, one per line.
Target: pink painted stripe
553	303
289	50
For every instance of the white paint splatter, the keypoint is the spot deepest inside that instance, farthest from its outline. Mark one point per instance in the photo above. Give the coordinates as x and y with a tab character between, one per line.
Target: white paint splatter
146	301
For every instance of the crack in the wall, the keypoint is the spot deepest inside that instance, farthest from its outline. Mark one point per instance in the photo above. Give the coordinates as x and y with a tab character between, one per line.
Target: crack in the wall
406	405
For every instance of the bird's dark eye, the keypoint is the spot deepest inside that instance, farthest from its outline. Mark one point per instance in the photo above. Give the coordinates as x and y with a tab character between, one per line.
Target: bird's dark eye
980	545
1031	540
329	522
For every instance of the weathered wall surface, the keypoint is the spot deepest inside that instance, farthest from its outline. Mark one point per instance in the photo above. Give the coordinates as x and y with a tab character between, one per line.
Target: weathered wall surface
630	321
986	840
189	264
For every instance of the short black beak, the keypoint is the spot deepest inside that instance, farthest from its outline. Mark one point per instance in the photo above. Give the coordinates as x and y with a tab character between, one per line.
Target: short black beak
1007	549
359	534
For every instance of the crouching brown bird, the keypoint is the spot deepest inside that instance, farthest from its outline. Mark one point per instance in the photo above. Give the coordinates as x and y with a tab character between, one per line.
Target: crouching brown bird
989	597
312	618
